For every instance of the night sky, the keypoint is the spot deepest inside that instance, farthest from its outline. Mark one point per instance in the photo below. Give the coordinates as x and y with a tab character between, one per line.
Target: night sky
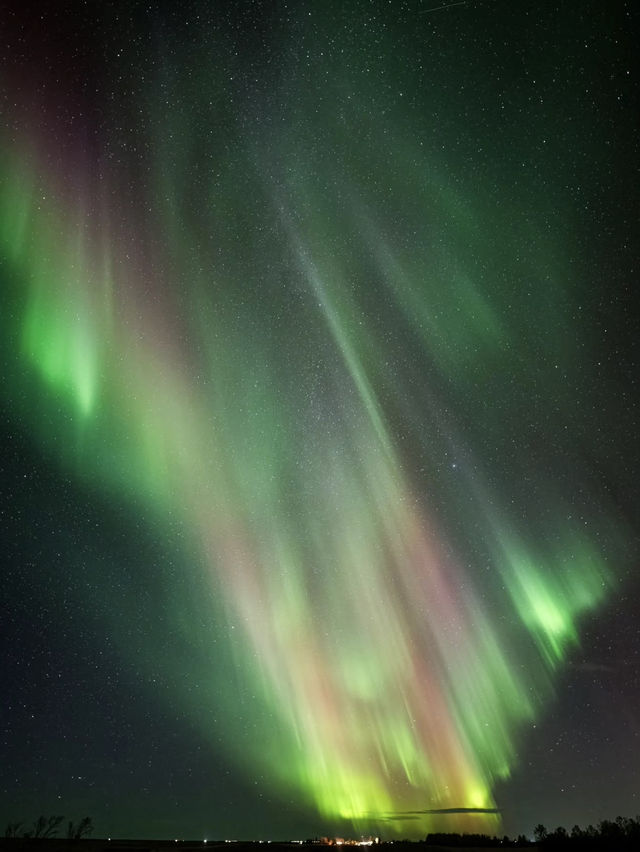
319	410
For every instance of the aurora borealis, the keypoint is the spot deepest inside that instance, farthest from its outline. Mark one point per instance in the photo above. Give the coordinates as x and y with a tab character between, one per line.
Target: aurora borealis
317	330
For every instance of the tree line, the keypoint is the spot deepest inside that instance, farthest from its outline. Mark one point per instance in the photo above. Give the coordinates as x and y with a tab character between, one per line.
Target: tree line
619	834
44	827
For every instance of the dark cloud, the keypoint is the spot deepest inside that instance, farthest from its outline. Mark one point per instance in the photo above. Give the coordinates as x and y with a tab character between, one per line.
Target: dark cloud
405	815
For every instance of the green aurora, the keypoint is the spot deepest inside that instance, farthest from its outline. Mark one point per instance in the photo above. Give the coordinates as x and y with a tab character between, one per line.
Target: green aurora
349	365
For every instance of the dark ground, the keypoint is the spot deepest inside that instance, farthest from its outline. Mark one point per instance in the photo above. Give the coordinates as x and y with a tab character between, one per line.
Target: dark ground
58	844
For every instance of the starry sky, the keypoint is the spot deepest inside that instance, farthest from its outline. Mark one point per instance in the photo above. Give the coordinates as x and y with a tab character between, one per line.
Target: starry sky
319	470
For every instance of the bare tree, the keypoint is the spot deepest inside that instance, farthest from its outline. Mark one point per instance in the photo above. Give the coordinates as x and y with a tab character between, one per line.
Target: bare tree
12	829
81	829
45	826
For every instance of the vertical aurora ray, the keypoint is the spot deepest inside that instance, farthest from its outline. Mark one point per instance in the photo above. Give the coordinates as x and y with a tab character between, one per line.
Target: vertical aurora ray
399	622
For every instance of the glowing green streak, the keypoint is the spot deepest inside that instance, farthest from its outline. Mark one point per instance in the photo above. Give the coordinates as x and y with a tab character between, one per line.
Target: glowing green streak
63	355
550	606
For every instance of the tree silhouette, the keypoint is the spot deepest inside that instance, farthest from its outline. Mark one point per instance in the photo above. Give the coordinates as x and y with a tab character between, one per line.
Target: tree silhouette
79	830
45	826
12	829
620	834
560	833
540	833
